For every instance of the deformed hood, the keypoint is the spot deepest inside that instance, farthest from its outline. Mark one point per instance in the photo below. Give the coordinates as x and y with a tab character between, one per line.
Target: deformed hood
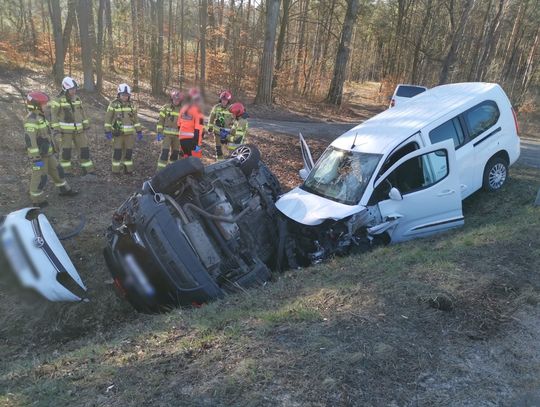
310	209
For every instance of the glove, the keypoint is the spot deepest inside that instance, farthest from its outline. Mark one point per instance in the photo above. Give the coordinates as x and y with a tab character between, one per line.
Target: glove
160	137
223	135
139	135
108	135
39	164
197	149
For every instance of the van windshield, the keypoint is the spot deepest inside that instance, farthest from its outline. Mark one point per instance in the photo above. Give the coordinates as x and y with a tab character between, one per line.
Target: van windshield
341	175
407	91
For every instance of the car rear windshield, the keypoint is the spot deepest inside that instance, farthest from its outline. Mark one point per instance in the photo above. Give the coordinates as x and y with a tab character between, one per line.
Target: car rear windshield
409	91
341	175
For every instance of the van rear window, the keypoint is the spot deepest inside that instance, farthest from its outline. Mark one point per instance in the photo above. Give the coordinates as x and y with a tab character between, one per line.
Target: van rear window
481	117
409	91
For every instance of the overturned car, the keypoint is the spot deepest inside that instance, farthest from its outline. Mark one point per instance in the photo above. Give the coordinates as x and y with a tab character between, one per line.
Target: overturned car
194	233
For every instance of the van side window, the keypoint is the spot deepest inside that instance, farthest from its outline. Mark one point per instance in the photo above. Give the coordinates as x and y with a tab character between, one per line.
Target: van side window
446	131
481	117
397	155
414	174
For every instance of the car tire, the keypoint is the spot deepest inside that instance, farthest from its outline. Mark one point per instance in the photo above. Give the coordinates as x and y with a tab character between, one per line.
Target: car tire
248	156
170	178
495	174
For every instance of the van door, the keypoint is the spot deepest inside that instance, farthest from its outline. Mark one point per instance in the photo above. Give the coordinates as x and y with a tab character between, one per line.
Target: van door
425	193
453	129
306	158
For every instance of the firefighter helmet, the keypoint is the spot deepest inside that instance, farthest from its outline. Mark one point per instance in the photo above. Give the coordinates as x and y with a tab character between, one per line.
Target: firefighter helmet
225	95
124	88
194	93
237	109
36	100
69	83
176	96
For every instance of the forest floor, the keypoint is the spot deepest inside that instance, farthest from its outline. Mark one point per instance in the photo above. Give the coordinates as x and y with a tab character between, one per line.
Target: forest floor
359	330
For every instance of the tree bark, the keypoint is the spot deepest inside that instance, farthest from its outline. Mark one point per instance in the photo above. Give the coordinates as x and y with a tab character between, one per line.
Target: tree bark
157	48
203	14
335	93
56	20
264	88
84	16
135	28
99	45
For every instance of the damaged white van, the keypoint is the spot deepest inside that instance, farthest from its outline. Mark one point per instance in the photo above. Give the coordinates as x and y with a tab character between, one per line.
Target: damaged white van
403	173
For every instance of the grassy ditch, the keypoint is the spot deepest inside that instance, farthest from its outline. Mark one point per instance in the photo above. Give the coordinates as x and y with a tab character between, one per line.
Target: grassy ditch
367	329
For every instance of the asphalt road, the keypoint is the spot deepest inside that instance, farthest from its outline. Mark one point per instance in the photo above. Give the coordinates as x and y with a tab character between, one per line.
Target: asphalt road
530	149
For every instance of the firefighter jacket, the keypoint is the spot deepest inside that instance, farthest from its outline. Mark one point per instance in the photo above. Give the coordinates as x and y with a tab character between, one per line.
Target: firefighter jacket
168	120
191	123
239	131
121	118
36	136
67	115
220	118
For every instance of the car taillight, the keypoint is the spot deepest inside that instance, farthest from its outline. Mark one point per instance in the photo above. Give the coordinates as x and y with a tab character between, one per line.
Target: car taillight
515	120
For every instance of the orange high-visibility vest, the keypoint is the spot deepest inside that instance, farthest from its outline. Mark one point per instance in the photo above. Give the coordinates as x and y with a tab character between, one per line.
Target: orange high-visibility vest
191	123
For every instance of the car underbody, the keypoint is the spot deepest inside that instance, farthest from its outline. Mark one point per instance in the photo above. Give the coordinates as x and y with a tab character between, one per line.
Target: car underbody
193	234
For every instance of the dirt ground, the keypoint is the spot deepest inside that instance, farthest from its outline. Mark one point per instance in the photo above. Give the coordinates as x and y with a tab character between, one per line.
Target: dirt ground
344	333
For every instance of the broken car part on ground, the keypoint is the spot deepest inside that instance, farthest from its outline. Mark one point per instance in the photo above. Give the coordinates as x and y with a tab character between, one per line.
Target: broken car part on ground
31	249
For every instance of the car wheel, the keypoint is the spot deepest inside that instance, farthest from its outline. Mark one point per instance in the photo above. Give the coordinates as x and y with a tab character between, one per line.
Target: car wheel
248	156
169	179
495	174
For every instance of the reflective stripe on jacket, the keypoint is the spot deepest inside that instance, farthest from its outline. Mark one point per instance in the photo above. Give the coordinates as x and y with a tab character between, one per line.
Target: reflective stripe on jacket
67	115
220	117
121	118
168	120
36	136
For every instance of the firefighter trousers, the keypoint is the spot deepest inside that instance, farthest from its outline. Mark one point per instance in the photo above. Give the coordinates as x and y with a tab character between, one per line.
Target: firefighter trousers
123	153
77	141
39	178
170	150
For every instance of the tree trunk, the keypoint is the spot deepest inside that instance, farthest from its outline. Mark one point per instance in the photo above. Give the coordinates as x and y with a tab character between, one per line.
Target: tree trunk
110	45
456	38
182	50
157	48
32	28
84	16
56	20
135	28
335	93
99	45
203	17
264	87
281	40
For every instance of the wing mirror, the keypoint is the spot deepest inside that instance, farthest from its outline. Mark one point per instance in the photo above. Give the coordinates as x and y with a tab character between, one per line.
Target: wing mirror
395	195
303	173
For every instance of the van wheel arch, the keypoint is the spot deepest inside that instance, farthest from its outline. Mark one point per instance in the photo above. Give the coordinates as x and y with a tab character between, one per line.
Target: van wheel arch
496	171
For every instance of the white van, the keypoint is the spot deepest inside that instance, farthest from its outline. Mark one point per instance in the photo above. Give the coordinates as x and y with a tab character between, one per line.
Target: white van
404	93
403	173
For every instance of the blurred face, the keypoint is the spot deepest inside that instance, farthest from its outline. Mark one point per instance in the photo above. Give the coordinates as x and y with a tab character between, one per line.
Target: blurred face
176	101
124	97
72	92
224	102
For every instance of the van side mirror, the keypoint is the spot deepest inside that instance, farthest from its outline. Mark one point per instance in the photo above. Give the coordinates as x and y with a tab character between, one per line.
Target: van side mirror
303	173
395	195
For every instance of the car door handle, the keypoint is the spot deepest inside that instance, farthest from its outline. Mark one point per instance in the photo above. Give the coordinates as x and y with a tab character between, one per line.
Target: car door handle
445	192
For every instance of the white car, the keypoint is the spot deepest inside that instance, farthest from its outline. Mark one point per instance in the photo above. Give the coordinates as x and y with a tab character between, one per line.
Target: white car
403	93
30	248
403	173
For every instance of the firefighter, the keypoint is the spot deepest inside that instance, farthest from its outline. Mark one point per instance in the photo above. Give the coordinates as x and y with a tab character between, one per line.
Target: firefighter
220	121
167	130
40	149
121	125
70	124
239	128
191	125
